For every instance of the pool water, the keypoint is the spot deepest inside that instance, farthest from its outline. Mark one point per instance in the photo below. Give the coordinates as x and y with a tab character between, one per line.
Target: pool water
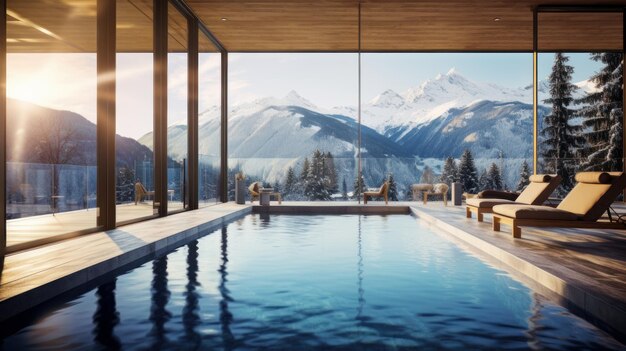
311	282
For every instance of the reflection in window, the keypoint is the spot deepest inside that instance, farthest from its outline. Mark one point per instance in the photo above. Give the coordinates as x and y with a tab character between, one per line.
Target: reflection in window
209	115
51	120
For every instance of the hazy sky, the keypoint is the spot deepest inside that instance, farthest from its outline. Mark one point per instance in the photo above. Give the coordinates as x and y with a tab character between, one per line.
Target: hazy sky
68	81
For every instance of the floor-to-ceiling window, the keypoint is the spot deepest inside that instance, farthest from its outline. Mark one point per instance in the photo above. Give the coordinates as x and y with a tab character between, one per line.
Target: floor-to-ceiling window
292	123
209	121
177	95
134	141
580	74
51	119
427	115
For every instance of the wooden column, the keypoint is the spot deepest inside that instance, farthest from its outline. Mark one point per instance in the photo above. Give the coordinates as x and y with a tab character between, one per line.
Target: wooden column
224	131
160	107
106	114
192	116
3	122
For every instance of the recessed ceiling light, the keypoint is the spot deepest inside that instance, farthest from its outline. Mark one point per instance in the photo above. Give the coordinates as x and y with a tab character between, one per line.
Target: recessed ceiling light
224	19
496	19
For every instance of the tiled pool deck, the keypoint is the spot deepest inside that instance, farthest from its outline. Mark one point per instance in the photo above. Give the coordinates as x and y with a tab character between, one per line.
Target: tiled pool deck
583	269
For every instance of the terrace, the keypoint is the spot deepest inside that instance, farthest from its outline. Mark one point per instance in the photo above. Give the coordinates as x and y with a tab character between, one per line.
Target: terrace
168	120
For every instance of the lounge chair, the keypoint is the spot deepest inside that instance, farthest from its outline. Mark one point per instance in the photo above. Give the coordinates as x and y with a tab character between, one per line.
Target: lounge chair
536	193
255	193
382	192
141	192
581	208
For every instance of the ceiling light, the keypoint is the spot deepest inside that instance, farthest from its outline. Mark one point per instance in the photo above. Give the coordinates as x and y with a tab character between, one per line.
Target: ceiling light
496	19
224	19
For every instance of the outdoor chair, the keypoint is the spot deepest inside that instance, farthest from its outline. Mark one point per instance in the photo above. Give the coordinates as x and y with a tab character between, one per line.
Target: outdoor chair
141	192
581	208
382	192
255	193
437	189
535	193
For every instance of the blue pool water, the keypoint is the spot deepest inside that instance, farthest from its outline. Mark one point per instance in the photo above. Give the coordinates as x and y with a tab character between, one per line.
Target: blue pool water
310	282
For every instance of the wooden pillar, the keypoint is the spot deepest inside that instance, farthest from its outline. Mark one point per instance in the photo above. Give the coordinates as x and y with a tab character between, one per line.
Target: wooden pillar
160	107
3	122
224	131
192	116
535	93
106	114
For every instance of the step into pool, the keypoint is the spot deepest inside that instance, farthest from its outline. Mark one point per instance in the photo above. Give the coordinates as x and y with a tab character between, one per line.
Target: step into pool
294	282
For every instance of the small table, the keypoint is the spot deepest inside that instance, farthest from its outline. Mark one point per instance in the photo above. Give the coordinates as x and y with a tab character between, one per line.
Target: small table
264	197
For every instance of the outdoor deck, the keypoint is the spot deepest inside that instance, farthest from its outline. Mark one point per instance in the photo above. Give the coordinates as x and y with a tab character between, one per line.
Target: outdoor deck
582	269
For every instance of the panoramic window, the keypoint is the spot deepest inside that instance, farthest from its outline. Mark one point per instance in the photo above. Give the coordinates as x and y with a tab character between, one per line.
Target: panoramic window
134	140
433	118
177	94
209	121
580	95
51	120
292	124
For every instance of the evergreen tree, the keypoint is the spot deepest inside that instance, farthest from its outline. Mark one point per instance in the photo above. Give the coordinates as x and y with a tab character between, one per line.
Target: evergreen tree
428	176
483	181
290	182
331	172
494	178
468	175
304	176
344	190
125	185
359	187
450	172
318	182
393	188
603	115
523	177
561	138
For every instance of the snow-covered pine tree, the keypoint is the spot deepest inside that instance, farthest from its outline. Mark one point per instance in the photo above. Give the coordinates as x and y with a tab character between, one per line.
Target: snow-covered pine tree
450	171
344	190
359	187
603	115
483	181
494	177
290	182
331	172
468	175
524	174
318	183
561	138
304	176
393	188
428	176
125	185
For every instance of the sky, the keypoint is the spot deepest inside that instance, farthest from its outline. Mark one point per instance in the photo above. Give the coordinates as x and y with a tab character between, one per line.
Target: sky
68	81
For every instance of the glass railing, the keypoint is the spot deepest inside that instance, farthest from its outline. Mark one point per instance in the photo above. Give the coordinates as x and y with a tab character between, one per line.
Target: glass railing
208	180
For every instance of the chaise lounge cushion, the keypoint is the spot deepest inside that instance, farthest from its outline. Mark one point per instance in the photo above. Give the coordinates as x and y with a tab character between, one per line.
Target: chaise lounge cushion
497	194
540	178
487	203
534	212
593	177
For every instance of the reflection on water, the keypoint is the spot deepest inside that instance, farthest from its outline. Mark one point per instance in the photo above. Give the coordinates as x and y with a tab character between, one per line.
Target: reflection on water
294	288
191	317
106	317
159	315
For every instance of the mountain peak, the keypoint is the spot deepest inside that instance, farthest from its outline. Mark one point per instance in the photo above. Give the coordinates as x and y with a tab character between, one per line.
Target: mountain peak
388	98
452	71
292	94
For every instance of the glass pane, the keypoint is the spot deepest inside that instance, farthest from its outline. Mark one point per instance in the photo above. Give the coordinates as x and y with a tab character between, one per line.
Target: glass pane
51	119
134	108
423	111
582	91
209	115
292	124
177	91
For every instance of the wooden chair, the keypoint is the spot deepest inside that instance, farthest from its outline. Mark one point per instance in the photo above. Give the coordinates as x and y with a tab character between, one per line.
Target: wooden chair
382	192
536	193
255	193
581	208
439	189
141	192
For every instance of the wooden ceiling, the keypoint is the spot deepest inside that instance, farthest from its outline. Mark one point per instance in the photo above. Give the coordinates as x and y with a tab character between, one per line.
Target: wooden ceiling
324	25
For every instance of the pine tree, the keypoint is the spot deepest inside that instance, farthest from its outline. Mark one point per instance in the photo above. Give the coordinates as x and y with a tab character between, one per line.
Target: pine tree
344	190
523	177
125	185
468	175
603	116
483	181
304	176
393	188
494	178
359	187
331	172
450	172
317	182
428	176
561	138
290	182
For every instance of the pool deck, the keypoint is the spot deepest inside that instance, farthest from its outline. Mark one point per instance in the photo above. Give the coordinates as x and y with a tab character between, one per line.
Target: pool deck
583	269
